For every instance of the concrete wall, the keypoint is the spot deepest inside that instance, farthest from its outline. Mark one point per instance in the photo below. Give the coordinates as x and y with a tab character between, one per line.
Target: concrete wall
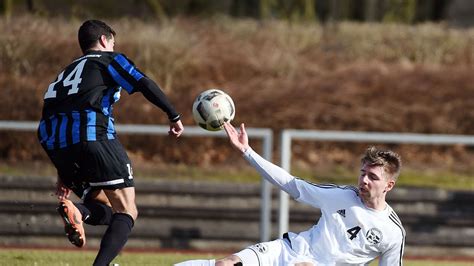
225	217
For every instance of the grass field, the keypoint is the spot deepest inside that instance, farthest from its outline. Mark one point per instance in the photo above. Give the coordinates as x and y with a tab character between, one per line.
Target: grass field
23	257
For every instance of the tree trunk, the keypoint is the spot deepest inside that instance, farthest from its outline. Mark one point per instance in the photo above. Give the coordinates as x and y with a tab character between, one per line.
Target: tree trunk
370	13
6	8
158	10
265	9
309	12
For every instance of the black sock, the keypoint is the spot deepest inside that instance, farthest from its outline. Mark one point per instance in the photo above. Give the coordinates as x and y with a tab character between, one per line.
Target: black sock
83	209
95	213
114	238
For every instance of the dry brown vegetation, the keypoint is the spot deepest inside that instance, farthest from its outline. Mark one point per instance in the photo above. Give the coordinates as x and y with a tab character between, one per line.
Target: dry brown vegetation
362	77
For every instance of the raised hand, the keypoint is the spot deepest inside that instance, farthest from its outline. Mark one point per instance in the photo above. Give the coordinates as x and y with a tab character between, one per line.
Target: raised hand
238	139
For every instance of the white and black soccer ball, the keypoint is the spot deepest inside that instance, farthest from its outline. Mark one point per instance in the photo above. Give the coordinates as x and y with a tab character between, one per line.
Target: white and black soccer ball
212	108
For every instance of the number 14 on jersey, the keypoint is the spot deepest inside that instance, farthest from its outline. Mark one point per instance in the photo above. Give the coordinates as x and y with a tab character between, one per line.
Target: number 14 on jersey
73	80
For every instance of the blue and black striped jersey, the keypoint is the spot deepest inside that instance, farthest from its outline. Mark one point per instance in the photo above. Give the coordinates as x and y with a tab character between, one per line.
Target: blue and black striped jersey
78	104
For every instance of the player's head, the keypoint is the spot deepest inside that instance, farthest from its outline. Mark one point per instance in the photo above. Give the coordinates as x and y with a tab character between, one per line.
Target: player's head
378	174
388	160
95	32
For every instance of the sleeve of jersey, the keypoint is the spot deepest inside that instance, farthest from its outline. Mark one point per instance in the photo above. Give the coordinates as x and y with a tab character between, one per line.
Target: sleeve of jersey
124	72
325	195
274	174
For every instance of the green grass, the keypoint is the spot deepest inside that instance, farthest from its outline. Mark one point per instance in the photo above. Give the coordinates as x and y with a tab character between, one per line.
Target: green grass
26	257
19	257
443	179
437	179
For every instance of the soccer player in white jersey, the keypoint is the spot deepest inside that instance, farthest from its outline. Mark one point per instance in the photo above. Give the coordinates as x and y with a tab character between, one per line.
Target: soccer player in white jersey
356	224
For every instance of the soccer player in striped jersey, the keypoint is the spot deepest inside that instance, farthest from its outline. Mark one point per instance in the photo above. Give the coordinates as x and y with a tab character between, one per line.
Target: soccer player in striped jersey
78	134
356	224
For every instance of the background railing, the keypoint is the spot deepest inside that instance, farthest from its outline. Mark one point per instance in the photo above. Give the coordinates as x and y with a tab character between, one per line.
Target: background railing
351	136
266	135
451	211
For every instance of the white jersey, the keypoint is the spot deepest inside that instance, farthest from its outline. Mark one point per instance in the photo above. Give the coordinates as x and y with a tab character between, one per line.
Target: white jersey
348	232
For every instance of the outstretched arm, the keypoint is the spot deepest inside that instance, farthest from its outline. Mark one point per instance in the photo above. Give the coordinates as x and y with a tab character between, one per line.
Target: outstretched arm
124	72
274	174
155	95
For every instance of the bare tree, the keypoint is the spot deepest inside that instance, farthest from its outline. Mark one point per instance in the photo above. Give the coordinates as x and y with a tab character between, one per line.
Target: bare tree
6	8
370	10
158	10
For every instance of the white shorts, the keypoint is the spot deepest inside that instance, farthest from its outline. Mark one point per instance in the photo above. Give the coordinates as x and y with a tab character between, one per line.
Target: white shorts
277	252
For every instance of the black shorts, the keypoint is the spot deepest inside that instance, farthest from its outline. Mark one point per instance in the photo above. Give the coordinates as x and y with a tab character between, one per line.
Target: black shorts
93	165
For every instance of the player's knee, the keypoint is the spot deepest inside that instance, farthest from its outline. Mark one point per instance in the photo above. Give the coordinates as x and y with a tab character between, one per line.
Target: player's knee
136	215
131	210
133	213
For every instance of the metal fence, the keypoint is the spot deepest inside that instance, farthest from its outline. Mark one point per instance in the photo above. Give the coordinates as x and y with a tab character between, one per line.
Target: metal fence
266	135
351	136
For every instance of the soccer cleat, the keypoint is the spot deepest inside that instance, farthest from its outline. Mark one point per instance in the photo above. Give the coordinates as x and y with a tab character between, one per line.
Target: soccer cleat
73	226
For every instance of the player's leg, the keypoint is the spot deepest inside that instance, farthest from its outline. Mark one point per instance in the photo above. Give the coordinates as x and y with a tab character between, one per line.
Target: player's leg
196	263
114	239
244	257
73	225
96	208
272	253
231	260
65	160
110	170
266	253
123	201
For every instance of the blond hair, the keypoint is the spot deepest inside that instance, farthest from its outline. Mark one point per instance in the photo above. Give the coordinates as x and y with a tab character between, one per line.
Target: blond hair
389	160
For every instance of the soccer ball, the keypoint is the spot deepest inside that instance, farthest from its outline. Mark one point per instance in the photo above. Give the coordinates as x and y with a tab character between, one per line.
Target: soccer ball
212	108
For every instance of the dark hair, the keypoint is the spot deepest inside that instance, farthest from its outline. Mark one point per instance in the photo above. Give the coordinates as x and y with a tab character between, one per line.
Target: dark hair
389	160
90	32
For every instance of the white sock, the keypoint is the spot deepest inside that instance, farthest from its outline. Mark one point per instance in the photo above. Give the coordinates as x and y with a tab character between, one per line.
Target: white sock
197	263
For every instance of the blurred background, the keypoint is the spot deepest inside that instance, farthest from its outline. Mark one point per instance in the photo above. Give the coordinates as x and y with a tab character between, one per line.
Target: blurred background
351	65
